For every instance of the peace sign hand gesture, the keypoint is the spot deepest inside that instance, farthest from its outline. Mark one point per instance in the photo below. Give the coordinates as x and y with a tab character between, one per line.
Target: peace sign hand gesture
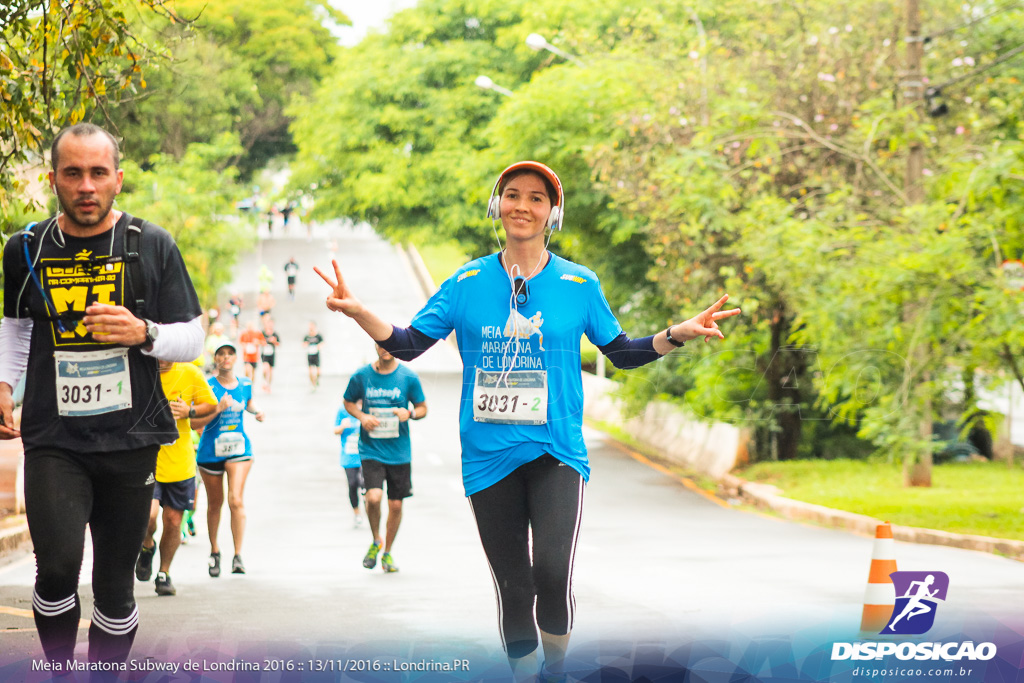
340	299
704	324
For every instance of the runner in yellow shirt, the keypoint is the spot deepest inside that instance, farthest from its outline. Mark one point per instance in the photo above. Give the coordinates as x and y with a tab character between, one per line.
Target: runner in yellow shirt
189	396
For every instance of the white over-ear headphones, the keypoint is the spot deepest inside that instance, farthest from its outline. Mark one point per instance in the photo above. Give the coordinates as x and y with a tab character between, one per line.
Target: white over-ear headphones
557	206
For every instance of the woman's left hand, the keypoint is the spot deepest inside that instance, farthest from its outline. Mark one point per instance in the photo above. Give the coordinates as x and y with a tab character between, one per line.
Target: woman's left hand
705	324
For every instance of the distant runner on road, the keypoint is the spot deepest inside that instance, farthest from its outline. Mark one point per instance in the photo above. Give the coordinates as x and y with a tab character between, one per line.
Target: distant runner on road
268	354
224	448
524	461
379	395
251	341
188	395
347	427
291	270
312	342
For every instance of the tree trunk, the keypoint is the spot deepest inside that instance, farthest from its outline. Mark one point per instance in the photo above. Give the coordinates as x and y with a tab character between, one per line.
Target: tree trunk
917	467
783	374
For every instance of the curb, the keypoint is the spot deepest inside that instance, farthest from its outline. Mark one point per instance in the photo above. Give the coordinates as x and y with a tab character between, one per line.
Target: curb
14	534
766	497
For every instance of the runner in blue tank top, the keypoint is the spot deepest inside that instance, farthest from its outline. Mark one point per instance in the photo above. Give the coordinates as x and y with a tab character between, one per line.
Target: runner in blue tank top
224	448
519	315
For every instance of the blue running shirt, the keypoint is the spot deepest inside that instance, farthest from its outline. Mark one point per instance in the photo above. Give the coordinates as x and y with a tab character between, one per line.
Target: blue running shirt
565	302
227	427
380	394
349	438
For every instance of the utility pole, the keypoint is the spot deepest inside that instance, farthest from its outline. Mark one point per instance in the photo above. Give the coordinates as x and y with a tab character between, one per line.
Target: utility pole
917	466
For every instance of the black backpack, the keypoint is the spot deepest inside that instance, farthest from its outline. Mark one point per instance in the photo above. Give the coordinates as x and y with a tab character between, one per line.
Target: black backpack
135	282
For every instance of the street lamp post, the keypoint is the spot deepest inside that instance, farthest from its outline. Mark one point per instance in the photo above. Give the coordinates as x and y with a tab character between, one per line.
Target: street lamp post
487	84
537	42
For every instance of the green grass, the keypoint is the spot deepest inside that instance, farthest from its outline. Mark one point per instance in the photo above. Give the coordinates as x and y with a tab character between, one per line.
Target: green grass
967	498
441	259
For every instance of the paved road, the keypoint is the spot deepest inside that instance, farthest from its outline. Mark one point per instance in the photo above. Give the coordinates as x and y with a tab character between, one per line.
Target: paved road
663	573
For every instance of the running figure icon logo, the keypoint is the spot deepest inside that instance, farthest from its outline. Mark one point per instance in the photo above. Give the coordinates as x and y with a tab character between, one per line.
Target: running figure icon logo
918	595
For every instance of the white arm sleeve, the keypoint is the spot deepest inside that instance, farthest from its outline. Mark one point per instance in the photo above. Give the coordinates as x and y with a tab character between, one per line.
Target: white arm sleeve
178	342
15	340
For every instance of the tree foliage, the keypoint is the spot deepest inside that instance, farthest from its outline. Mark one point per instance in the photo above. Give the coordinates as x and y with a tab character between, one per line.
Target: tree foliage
238	70
194	199
750	147
61	61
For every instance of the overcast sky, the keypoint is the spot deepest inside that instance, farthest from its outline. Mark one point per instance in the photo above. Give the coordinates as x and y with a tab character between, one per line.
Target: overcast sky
366	14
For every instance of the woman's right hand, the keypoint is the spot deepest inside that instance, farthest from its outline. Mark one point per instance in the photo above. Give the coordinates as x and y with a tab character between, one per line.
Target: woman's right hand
340	298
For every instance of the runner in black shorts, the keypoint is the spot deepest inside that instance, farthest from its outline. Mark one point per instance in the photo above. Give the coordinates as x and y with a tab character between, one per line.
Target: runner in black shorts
312	342
379	395
291	269
188	395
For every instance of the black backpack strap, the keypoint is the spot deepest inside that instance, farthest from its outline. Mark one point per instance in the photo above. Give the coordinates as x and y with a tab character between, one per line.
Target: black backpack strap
31	232
135	281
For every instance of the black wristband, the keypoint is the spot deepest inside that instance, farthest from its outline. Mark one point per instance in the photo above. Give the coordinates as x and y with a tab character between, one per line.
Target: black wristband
674	342
191	412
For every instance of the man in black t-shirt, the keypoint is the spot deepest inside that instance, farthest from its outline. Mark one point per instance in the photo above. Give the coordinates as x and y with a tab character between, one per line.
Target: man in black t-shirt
312	342
86	322
291	270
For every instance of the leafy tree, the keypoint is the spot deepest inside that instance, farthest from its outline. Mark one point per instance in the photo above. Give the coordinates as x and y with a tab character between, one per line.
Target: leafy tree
753	148
194	198
259	56
202	91
61	61
399	135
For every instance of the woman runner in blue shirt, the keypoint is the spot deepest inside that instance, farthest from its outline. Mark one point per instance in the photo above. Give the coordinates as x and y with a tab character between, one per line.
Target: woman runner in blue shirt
224	448
519	315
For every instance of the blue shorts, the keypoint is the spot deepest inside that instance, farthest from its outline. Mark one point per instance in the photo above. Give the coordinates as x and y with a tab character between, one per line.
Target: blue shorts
176	495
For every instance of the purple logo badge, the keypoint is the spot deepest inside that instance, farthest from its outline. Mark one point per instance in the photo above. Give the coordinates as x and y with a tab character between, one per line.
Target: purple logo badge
917	598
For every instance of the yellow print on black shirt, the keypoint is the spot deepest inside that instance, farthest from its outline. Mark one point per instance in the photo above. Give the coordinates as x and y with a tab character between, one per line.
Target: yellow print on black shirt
71	284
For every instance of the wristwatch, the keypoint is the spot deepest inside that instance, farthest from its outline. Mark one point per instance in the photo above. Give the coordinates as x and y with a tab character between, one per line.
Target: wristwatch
191	412
674	342
152	331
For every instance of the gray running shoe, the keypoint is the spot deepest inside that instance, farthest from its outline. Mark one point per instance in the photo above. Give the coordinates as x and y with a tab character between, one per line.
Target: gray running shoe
144	565
214	564
164	585
236	565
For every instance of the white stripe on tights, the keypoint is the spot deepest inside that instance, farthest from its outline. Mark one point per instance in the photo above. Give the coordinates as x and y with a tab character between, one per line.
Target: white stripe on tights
497	593
116	627
570	599
52	609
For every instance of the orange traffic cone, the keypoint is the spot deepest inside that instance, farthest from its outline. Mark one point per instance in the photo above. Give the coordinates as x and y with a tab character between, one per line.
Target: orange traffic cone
880	596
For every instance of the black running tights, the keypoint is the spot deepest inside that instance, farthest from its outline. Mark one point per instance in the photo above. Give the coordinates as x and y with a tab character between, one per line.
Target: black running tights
111	493
355	482
545	496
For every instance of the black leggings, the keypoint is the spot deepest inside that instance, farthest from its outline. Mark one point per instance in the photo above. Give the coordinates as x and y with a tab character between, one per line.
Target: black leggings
112	493
355	482
545	496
